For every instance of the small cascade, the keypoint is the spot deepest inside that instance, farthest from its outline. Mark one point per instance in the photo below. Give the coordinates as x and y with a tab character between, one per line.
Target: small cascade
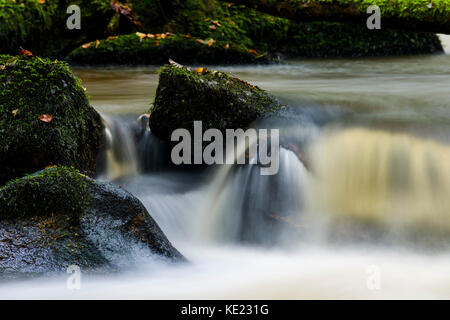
390	180
119	154
245	206
130	148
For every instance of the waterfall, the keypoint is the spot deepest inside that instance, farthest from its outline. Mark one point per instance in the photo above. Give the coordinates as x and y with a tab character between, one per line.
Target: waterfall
394	181
130	148
245	206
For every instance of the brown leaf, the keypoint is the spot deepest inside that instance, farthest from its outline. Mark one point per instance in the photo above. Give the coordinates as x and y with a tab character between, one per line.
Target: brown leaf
25	52
46	118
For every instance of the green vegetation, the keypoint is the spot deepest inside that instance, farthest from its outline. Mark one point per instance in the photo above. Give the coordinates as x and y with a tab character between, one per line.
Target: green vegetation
40	26
239	34
220	101
45	118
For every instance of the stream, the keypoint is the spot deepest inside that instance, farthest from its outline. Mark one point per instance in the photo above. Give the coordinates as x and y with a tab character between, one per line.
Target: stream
364	215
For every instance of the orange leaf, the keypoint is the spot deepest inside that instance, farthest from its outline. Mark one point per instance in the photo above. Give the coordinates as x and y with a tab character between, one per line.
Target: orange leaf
163	35
253	51
188	36
46	118
50	166
24	52
201	70
212	27
86	45
157	43
211	42
149	35
226	46
41	1
229	5
112	37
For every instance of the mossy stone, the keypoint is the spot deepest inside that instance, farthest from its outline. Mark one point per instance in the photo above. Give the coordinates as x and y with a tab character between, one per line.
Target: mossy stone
31	87
219	100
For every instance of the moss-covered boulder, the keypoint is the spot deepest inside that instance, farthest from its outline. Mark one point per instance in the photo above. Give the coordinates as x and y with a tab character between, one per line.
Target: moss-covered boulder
45	118
219	100
140	48
58	217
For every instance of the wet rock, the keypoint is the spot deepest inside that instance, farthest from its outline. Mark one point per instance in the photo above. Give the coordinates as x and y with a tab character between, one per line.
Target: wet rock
219	100
58	217
45	118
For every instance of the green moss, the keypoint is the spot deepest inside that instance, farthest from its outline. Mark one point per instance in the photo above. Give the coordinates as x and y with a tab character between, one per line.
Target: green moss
41	27
131	49
220	101
251	29
54	191
31	87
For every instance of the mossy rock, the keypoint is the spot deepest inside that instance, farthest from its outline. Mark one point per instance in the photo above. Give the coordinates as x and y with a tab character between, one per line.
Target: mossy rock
58	217
33	87
219	100
139	48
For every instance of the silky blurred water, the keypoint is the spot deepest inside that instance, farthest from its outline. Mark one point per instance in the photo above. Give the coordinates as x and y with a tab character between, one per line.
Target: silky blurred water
368	219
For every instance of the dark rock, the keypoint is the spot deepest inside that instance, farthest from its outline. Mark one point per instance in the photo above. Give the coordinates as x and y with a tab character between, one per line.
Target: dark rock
58	217
33	87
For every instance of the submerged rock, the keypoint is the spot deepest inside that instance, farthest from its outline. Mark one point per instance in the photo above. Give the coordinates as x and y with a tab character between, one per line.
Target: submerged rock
58	217
219	100
45	118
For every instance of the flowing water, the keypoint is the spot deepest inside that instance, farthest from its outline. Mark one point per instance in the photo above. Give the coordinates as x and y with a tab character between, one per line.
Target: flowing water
359	209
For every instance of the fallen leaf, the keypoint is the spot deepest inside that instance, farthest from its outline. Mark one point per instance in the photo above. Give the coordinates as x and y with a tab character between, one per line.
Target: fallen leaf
157	43
212	27
41	1
253	51
25	52
201	70
141	35
216	23
50	166
188	36
226	46
229	5
211	42
149	35
200	41
86	45
163	36
112	37
46	118
14	112
97	43
2	67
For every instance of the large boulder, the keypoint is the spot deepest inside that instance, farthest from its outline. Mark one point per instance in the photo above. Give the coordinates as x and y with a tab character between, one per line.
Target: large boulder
219	100
45	118
58	217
